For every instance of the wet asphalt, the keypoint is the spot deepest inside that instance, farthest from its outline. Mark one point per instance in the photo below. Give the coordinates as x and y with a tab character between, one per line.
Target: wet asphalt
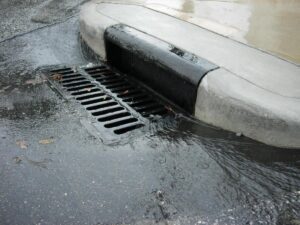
56	170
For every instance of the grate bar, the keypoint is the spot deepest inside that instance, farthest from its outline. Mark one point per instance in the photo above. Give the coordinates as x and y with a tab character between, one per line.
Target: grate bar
121	112
121	122
85	91
72	80
90	96
76	84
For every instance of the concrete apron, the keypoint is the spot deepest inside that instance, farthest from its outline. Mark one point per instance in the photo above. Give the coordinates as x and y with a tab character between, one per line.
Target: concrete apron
218	80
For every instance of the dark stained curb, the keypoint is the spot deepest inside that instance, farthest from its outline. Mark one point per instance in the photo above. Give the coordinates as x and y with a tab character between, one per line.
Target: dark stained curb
170	71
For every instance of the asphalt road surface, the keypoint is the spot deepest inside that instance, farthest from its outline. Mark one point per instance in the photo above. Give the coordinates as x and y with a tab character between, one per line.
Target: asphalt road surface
55	170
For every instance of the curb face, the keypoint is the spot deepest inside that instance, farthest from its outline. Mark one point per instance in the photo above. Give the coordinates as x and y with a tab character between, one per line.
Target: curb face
172	72
225	101
219	81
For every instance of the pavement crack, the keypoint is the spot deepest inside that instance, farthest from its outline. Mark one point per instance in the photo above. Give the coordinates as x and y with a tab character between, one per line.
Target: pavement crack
37	29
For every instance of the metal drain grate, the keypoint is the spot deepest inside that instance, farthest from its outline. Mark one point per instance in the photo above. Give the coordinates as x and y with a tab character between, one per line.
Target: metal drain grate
117	102
128	91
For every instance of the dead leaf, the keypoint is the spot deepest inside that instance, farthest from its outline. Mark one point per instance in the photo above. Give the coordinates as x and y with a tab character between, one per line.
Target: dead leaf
57	76
22	144
88	89
104	97
125	92
46	141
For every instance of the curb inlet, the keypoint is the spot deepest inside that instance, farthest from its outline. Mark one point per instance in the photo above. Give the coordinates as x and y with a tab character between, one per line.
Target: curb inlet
119	103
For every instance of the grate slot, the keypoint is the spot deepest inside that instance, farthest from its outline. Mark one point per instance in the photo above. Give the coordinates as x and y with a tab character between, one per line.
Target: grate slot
141	99
113	81
85	92
116	83
98	76
114	86
159	111
101	106
105	73
128	128
123	89
121	122
148	107
90	96
76	84
113	116
99	71
135	97
129	93
73	75
142	103
106	111
87	87
64	81
103	79
97	100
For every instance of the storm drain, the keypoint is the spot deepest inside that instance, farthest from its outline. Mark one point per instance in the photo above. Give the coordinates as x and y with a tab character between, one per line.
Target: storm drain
120	104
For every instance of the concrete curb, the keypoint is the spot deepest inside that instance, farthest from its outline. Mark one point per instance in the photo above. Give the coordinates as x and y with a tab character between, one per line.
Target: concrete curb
172	72
252	92
226	101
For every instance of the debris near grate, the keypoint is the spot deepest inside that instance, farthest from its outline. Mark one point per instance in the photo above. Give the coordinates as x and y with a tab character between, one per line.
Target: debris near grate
114	100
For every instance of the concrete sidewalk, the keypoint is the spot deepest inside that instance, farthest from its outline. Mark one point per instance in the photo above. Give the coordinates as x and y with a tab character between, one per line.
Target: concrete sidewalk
252	93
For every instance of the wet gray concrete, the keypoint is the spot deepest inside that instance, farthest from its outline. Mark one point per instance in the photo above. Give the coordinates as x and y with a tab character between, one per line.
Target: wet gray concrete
175	171
270	25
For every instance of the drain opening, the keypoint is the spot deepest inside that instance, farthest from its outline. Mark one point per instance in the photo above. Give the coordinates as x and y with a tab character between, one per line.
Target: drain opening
128	92
75	84
101	106
107	111
90	102
87	87
121	122
89	96
116	101
114	116
127	128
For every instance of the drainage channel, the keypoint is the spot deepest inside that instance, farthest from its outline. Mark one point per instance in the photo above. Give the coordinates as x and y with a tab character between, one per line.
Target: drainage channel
117	102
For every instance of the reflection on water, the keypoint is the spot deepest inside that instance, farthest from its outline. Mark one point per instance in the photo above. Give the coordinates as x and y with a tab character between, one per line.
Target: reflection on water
271	25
